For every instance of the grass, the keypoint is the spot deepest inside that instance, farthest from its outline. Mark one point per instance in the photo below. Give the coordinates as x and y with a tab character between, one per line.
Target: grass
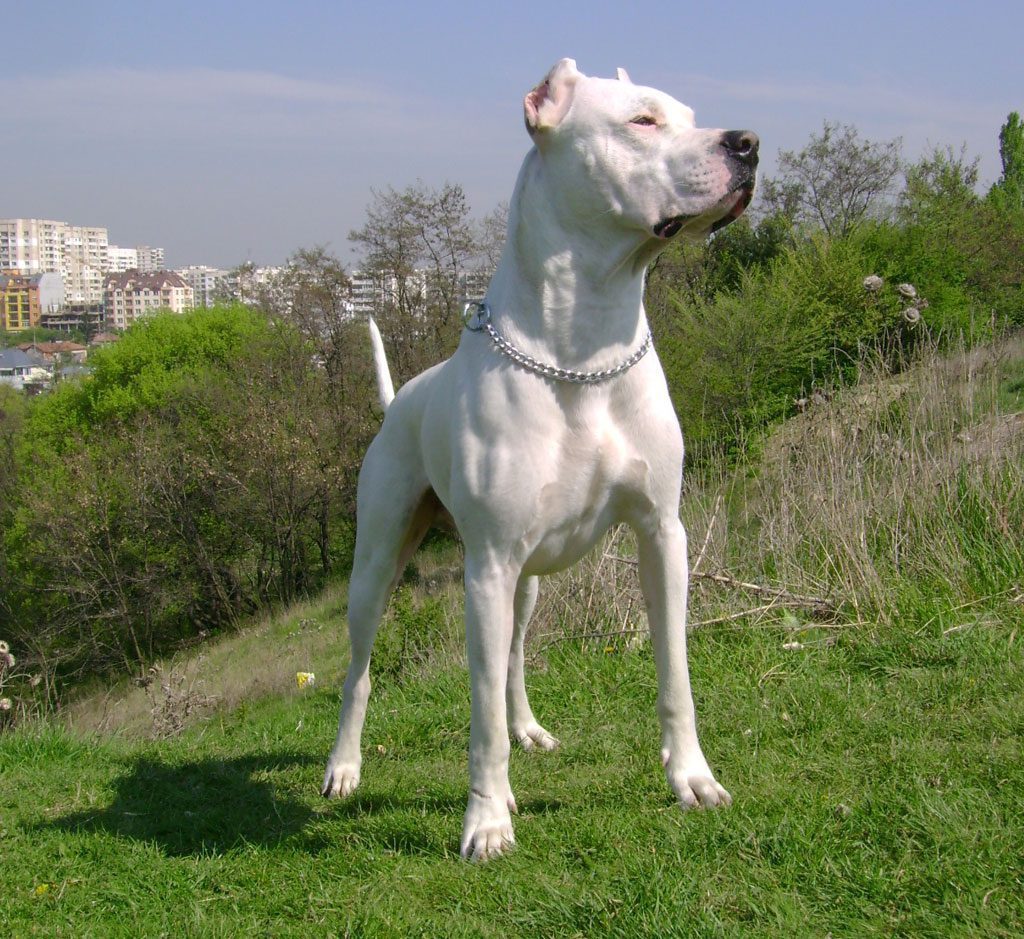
259	660
878	784
873	748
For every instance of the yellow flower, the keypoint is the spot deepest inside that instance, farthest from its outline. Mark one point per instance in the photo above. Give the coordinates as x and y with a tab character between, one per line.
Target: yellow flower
305	679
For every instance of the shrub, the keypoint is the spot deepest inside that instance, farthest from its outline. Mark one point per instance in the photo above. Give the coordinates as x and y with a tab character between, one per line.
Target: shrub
206	470
738	362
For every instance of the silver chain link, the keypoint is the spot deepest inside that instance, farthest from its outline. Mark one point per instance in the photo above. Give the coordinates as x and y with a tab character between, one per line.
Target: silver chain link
477	317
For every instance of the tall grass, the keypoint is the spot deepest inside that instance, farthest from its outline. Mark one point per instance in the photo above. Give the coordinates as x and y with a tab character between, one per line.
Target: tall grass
902	494
906	484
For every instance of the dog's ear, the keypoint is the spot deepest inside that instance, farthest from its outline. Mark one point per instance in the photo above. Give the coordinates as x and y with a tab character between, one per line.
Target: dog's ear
549	102
623	76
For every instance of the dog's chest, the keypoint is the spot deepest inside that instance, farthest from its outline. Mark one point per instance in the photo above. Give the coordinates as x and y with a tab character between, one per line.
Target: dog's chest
592	478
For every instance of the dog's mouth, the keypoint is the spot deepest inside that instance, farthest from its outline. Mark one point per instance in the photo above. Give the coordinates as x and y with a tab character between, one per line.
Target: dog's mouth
745	193
730	208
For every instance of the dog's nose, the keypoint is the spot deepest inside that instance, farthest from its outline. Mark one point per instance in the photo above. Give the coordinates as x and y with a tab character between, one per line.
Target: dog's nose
742	145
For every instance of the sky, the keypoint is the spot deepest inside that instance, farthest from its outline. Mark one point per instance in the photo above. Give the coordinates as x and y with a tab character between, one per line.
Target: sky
231	132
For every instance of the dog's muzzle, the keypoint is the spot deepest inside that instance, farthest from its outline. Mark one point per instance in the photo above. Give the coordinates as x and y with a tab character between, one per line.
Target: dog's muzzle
741	150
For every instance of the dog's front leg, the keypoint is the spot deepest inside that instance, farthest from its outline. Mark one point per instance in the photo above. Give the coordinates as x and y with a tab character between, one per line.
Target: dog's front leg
490	591
664	581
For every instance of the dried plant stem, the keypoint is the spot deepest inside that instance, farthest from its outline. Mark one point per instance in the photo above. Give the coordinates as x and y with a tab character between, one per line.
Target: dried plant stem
780	593
707	535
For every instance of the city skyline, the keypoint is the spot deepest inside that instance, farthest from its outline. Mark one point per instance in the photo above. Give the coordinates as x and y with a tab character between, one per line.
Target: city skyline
229	138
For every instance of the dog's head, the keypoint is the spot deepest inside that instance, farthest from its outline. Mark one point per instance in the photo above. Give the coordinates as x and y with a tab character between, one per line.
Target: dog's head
634	156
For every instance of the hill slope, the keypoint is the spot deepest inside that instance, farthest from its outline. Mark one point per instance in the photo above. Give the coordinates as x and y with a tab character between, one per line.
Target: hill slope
873	748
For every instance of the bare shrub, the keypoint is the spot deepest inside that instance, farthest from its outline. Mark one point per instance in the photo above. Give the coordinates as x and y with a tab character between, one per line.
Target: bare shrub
175	696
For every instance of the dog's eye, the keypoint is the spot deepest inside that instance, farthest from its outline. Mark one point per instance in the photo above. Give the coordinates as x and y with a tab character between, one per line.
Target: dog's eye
644	120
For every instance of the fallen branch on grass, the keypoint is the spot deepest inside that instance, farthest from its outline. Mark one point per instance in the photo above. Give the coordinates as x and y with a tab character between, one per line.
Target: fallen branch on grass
556	638
707	536
781	593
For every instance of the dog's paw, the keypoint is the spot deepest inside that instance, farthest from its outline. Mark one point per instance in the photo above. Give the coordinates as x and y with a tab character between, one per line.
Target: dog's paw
340	780
531	736
694	784
487	828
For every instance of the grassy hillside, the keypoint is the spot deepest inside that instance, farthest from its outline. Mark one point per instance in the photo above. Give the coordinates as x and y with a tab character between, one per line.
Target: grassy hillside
867	720
877	782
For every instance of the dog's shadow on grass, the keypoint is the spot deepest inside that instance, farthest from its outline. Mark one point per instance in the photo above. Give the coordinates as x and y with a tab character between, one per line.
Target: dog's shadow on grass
201	807
209	807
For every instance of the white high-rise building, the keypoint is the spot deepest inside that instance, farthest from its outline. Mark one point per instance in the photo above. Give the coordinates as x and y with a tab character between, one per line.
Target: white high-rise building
207	283
150	259
85	263
120	260
39	246
31	245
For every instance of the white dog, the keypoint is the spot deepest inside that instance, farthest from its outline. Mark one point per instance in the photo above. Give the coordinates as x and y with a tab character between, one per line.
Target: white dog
551	423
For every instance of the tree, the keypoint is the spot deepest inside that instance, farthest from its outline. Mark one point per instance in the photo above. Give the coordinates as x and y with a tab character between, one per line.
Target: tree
492	231
835	182
961	250
420	243
205	469
1008	191
239	286
314	292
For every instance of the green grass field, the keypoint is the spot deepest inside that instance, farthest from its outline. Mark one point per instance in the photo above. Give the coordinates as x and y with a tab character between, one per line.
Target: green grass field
878	787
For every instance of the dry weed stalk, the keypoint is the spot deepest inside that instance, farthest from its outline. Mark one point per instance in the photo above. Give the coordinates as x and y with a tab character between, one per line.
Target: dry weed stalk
174	697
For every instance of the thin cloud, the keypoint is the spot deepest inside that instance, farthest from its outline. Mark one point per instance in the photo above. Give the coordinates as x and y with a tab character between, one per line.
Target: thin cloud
837	98
205	103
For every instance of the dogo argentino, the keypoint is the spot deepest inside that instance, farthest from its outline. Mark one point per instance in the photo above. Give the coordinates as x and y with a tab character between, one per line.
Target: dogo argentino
551	423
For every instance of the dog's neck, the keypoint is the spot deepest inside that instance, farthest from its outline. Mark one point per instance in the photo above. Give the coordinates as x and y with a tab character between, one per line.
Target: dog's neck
569	296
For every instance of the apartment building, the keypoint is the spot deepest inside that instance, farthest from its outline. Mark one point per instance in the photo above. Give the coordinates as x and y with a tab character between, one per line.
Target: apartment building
373	289
26	298
82	255
131	295
39	246
149	259
120	260
208	283
31	245
245	282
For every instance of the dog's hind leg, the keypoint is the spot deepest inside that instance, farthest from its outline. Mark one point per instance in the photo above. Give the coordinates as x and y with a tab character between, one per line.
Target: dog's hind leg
521	723
394	514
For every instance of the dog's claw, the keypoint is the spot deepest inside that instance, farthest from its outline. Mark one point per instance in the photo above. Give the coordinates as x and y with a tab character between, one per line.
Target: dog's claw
695	786
533	736
487	829
340	781
702	792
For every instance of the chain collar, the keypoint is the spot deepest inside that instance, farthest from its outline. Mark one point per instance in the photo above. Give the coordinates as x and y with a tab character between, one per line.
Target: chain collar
477	317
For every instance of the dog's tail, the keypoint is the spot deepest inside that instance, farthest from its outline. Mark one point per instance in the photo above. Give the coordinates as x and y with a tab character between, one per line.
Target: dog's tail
385	387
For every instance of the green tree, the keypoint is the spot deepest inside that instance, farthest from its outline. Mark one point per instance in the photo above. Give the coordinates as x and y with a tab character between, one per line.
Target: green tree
1008	191
835	182
200	473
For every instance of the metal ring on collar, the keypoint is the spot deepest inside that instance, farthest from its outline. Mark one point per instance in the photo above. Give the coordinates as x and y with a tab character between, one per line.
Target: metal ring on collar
476	314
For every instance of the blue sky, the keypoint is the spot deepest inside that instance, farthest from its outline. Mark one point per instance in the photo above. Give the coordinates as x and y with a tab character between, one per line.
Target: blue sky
227	132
